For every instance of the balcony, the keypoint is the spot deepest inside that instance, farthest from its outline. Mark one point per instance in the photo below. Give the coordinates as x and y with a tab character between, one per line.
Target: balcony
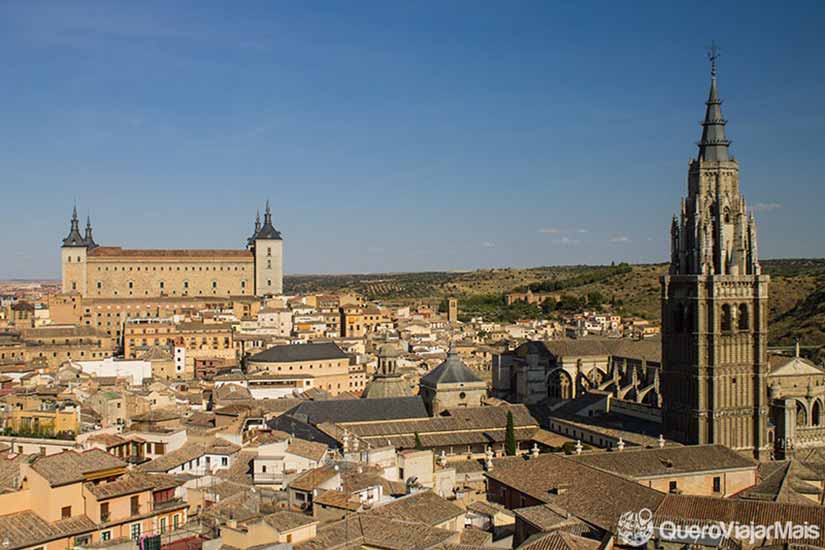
268	478
169	504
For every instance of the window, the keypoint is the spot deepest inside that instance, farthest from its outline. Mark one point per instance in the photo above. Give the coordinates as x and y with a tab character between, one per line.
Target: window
673	487
162	525
224	461
263	469
80	540
162	285
66	512
214	284
134	530
727	320
135	505
99	285
176	520
743	321
105	535
131	285
717	484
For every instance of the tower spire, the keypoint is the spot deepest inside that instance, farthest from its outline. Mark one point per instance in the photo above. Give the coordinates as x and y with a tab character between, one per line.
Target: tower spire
74	238
90	241
713	145
267	230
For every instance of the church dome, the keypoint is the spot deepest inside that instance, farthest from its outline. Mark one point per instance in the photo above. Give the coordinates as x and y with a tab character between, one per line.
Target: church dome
451	371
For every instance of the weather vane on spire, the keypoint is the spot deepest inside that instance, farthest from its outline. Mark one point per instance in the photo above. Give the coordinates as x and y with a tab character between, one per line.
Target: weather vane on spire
713	55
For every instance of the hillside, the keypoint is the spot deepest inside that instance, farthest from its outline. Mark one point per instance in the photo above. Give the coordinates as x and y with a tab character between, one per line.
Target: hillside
797	292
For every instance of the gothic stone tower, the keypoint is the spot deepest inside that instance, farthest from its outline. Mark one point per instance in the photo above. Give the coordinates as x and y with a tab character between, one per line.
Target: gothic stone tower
715	306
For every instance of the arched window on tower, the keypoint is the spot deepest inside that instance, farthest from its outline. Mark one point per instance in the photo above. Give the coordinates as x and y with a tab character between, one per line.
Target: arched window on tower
726	215
727	319
743	322
816	414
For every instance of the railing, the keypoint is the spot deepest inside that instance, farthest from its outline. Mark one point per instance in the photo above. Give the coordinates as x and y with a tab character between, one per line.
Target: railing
808	436
261	477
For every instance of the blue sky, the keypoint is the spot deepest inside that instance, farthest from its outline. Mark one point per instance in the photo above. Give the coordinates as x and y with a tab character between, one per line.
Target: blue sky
400	136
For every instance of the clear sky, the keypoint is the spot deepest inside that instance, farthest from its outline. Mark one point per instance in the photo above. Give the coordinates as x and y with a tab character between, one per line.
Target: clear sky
400	135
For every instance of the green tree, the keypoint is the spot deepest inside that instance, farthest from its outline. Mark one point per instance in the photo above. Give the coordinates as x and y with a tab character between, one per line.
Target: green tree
510	436
418	444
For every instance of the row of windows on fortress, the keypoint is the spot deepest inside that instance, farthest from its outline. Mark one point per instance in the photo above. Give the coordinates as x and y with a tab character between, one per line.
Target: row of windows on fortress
242	267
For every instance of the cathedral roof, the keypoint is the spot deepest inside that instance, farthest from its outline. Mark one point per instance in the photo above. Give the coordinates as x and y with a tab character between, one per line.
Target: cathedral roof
714	145
451	371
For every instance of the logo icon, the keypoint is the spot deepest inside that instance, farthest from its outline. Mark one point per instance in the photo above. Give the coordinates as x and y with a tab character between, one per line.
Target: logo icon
635	528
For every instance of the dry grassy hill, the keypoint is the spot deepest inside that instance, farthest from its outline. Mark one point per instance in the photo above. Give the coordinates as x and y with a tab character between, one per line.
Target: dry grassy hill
797	290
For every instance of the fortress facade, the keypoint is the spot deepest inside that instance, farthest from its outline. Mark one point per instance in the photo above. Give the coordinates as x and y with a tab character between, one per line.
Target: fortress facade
95	271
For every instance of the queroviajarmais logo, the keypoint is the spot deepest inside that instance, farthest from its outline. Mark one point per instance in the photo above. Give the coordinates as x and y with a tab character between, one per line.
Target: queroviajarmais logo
635	528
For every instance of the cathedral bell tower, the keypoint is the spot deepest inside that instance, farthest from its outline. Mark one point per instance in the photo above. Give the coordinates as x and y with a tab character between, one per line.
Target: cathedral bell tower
715	305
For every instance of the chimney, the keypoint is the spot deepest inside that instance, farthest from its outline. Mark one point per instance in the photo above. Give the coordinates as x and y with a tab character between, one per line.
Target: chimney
559	489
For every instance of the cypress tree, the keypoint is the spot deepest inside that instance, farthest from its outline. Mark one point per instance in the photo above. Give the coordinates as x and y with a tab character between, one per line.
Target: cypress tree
510	436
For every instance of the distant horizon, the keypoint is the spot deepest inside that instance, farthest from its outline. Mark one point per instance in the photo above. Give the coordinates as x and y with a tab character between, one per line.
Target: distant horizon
342	274
401	138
